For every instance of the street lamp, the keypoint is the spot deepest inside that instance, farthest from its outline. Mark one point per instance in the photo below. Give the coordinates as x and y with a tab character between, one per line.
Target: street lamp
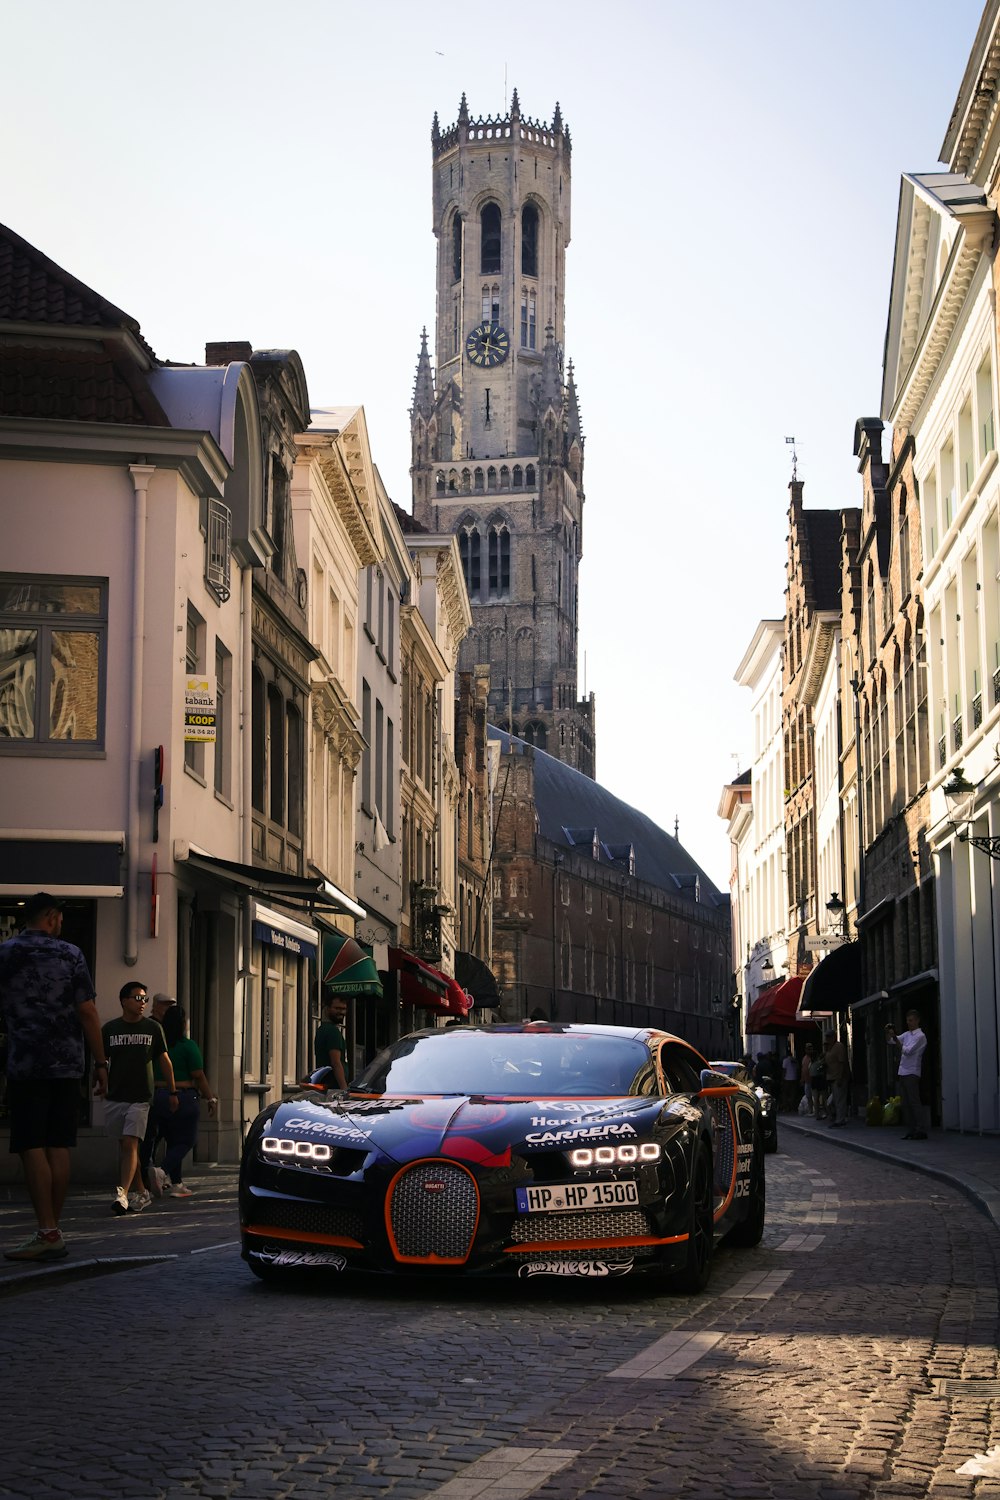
960	795
837	914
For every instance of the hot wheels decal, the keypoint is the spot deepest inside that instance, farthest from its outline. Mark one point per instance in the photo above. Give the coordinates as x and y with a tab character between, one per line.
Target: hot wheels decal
576	1268
326	1260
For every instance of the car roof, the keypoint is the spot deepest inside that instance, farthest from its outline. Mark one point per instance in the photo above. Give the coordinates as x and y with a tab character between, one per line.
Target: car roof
646	1034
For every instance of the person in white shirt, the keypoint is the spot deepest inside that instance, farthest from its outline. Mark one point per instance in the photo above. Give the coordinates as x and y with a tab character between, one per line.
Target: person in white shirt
790	1067
912	1046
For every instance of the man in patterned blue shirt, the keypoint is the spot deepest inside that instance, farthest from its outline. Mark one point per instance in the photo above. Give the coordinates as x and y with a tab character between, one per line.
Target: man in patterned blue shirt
47	1000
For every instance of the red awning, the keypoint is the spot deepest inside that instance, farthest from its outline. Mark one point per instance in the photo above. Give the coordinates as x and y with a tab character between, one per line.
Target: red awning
422	985
773	1011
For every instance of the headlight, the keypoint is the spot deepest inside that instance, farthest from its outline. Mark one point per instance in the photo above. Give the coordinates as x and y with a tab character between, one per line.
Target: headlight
281	1146
614	1156
766	1101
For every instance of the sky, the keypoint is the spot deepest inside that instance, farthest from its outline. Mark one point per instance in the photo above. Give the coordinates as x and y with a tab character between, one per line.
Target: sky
238	170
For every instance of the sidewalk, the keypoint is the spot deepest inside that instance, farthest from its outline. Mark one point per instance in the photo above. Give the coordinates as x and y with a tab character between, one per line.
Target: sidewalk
970	1163
101	1242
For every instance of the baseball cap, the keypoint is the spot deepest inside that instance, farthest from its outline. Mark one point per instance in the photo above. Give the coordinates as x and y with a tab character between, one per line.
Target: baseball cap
161	999
41	902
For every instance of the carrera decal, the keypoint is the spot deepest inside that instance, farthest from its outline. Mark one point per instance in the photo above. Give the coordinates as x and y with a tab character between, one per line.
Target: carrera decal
586	1268
326	1128
581	1133
300	1258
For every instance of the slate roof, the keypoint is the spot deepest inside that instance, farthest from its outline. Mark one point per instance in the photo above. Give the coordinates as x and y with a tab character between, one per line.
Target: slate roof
33	289
100	380
569	804
407	523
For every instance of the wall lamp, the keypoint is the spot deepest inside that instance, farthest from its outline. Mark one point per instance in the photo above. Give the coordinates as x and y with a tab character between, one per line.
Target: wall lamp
960	795
835	907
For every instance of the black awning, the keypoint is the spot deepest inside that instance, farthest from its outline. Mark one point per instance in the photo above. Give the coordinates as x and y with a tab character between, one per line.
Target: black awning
835	983
306	890
474	975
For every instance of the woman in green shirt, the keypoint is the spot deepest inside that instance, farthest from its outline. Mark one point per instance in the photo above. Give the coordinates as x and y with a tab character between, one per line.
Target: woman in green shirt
179	1128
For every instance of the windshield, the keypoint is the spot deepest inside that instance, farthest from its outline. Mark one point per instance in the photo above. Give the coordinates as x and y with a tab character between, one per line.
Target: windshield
537	1064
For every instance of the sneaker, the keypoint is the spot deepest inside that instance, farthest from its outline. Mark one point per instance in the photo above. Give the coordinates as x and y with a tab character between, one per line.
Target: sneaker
138	1201
119	1203
178	1190
157	1181
39	1246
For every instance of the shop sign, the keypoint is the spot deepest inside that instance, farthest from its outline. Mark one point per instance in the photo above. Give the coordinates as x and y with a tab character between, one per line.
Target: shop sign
199	709
265	933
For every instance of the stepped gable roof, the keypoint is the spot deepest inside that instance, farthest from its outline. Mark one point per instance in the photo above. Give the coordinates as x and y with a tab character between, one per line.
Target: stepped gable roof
823	527
102	379
569	804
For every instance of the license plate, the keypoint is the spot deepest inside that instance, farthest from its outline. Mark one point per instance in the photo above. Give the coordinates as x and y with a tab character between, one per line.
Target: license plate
574	1196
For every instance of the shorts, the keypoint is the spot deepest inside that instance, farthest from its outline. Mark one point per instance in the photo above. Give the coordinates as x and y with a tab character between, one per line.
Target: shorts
122	1118
43	1112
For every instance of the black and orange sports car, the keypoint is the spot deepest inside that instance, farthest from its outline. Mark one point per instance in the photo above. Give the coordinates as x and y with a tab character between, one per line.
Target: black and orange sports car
528	1150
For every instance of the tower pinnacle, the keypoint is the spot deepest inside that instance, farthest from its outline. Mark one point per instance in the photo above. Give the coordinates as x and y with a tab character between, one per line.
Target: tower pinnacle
423	385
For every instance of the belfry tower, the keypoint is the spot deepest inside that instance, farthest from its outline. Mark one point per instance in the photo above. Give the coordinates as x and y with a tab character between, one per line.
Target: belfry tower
497	450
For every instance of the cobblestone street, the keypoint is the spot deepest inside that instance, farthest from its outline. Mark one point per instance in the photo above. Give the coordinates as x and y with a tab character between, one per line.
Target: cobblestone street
841	1360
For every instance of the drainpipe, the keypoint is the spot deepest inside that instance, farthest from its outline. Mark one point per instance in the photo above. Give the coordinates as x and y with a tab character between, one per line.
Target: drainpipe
141	475
246	717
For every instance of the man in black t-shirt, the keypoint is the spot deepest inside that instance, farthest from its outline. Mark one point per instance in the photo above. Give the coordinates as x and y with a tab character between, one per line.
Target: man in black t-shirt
132	1044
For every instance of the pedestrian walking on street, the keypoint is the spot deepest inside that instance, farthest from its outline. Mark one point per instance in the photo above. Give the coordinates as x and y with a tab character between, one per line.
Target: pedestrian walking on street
805	1076
47	1000
912	1047
330	1045
789	1081
131	1045
837	1075
818	1080
178	1127
154	1177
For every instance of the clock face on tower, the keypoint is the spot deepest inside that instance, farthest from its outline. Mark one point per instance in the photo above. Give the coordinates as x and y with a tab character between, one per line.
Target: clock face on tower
488	345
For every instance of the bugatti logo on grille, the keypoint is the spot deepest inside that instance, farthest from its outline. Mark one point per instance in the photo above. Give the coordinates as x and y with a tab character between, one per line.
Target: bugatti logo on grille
433	1187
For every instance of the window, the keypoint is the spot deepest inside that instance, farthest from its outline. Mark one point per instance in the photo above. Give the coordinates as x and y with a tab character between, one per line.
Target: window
469	550
194	665
490	240
218	540
499	560
276	754
379	755
528	319
366	754
53	653
456	248
259	758
388	811
223	729
529	240
905	585
293	752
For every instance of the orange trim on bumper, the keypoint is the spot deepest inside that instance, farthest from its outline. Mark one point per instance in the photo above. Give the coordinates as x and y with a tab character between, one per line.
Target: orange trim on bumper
531	1246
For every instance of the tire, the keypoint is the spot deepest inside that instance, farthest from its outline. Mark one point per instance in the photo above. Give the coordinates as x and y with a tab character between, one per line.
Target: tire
701	1228
750	1231
266	1273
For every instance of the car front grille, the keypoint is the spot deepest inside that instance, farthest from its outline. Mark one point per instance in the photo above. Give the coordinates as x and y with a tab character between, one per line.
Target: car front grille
612	1253
544	1228
433	1212
311	1218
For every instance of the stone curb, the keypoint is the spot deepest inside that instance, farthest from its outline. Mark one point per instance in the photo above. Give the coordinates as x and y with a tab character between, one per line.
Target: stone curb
77	1270
983	1194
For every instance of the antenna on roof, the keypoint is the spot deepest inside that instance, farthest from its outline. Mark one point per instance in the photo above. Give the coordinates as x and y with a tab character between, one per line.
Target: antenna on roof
795	458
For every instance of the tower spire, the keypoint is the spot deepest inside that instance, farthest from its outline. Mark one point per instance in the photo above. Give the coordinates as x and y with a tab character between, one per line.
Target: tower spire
515	106
423	384
573	430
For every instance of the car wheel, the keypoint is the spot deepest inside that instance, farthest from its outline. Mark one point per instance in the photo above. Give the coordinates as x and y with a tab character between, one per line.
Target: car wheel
701	1227
264	1272
750	1230
771	1142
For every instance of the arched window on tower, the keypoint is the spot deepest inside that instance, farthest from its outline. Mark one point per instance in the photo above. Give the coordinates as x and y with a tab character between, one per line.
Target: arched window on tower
528	319
477	479
456	248
529	240
499	560
529	477
469	550
518	476
490	239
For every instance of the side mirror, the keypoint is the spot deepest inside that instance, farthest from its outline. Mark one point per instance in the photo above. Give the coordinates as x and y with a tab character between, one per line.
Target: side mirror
717	1085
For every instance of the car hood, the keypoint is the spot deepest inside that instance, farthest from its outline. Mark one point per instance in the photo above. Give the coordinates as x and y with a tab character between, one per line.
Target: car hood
468	1128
